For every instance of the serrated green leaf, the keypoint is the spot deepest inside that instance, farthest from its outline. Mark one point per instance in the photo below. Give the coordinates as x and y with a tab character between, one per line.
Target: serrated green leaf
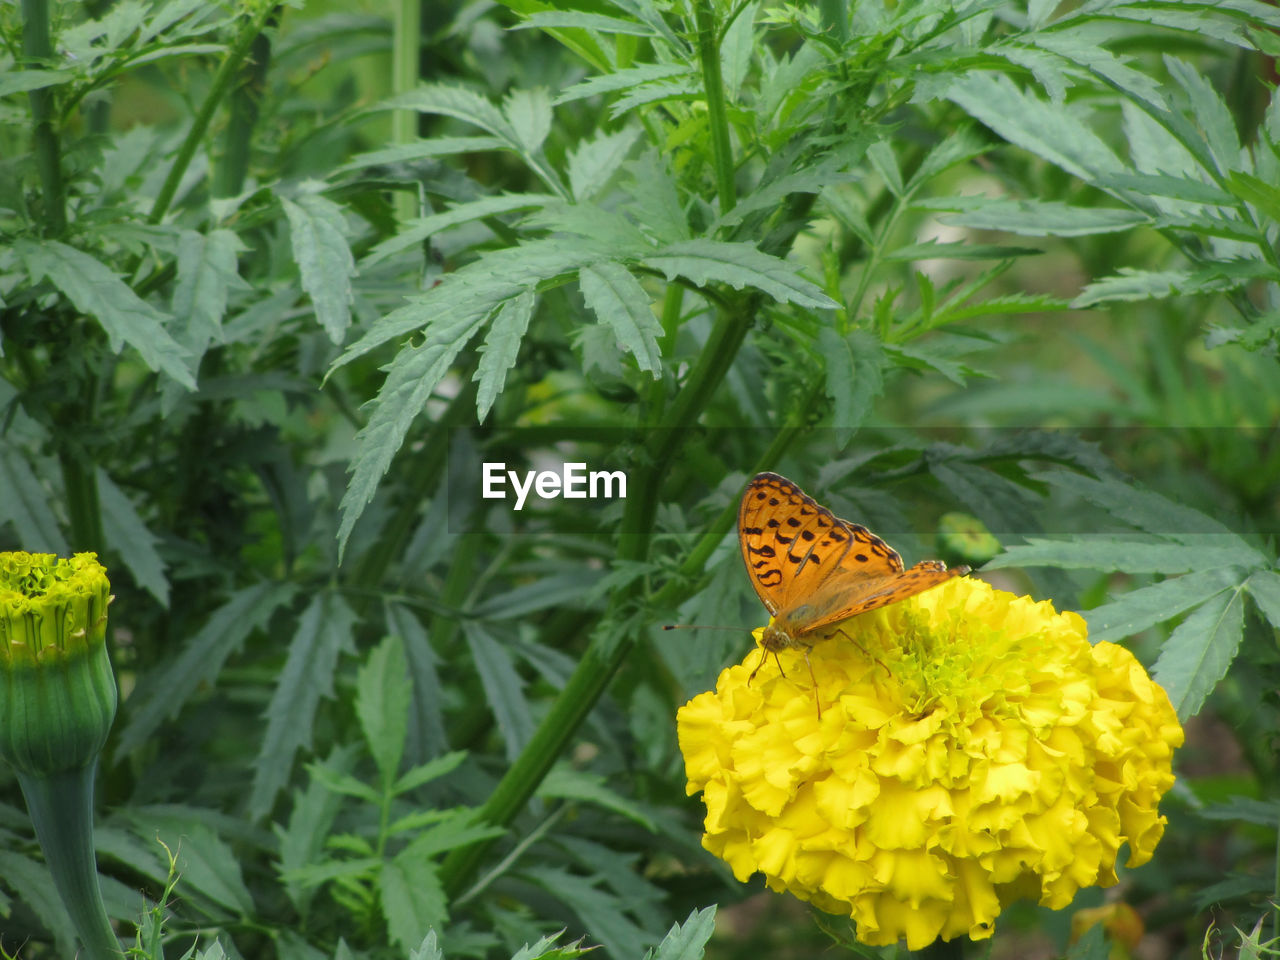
1033	218
934	250
325	630
620	303
1119	556
656	204
1163	185
421	150
317	228
501	348
620	80
1265	813
417	231
413	900
687	941
207	271
1264	587
24	81
1265	196
339	782
528	111
1197	654
383	691
740	265
602	913
1139	609
503	688
854	374
25	503
33	882
426	772
678	88
545	949
161	693
207	864
459	829
426	719
95	290
596	160
886	164
584	21
1214	120
302	839
129	536
1049	131
456	102
566	783
430	949
1131	284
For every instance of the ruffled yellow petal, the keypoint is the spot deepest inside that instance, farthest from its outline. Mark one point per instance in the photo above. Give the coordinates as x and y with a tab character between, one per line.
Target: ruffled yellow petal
972	748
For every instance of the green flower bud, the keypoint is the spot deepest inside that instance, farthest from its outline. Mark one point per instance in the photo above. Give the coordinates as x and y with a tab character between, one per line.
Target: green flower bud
57	690
57	701
963	539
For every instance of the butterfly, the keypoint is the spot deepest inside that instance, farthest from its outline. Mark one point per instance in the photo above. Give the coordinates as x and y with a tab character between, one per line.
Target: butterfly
811	569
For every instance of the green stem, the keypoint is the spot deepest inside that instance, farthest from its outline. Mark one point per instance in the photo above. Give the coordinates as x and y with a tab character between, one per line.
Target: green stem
222	81
37	50
717	112
405	51
230	174
80	487
61	808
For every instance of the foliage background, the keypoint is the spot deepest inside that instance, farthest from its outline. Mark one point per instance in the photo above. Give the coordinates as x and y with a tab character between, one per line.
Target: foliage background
275	281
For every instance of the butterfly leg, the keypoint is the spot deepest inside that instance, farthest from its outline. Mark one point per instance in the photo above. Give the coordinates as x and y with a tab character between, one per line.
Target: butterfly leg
817	701
764	655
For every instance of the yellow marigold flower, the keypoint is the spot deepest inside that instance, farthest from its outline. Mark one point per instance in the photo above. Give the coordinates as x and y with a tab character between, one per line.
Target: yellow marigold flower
972	748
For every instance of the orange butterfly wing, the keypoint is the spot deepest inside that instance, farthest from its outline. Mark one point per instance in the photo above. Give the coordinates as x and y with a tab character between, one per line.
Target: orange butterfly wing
811	569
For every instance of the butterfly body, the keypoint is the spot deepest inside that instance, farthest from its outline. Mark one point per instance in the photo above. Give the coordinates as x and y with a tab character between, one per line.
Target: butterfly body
811	569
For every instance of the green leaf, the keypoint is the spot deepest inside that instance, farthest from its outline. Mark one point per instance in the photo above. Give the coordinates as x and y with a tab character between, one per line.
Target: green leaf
456	102
162	692
854	374
503	688
426	718
1214	119
383	691
1049	131
934	250
1119	556
739	265
420	150
426	772
317	228
656	203
1197	654
207	271
1163	185
886	164
1130	284
1139	609
430	949
417	231
620	80
1092	945
1264	587
619	302
529	113
687	941
1265	196
413	900
584	21
32	881
1043	219
24	81
96	291
596	160
459	829
127	534
302	839
501	348
207	864
601	912
566	783
25	503
338	782
545	949
325	630
1265	813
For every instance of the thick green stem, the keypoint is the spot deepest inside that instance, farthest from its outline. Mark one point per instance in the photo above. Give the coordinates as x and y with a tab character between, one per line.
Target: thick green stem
230	174
80	487
717	112
37	50
405	51
222	83
61	808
